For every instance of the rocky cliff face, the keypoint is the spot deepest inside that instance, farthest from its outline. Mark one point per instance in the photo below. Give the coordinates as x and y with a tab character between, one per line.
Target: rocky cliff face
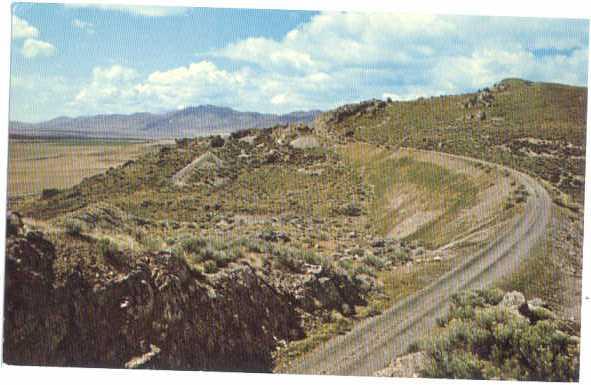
161	314
157	312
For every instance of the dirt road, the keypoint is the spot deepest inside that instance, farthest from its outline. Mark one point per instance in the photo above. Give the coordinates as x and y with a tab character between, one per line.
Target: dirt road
374	343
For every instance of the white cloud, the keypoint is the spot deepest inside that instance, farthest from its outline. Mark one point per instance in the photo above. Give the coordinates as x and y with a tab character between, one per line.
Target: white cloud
150	11
33	48
21	29
84	25
111	89
409	56
339	58
121	89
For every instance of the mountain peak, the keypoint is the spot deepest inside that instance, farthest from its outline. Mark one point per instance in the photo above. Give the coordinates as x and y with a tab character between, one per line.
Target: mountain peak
186	122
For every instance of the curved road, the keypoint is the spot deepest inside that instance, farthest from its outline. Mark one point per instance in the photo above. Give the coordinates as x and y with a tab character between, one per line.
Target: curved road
372	344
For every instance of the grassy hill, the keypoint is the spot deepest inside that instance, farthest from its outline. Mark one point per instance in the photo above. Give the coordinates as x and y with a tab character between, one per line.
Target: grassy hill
538	128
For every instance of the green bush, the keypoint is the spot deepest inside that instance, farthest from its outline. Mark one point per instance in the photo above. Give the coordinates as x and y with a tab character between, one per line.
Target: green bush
218	250
210	267
375	261
73	227
483	341
107	248
193	245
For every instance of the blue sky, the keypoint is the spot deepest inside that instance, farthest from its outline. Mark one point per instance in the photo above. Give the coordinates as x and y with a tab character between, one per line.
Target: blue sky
80	60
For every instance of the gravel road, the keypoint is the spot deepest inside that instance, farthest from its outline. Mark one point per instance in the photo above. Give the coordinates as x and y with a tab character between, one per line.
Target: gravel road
372	344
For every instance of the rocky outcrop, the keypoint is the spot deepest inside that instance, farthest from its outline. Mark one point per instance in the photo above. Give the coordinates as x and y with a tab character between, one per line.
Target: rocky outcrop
340	114
34	325
161	314
304	142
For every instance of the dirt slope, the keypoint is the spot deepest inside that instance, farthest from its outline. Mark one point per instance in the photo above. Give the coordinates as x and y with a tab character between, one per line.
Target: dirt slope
372	344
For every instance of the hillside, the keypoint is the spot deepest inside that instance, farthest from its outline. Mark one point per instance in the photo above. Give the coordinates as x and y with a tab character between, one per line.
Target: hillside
538	128
187	122
327	225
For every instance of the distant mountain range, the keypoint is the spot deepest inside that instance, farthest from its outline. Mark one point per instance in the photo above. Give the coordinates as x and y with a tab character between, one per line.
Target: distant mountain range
187	122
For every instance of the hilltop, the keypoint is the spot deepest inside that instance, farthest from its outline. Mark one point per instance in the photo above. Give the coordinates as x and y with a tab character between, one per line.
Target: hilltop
539	128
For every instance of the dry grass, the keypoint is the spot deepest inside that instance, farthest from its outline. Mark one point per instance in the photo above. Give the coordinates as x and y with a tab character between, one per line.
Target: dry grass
432	195
35	165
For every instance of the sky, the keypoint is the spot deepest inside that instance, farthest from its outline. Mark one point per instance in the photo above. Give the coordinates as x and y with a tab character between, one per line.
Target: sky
72	60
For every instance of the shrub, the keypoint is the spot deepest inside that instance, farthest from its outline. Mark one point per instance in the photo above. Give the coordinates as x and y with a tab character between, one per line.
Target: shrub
210	267
73	227
254	246
152	244
375	261
365	269
311	257
483	341
413	347
352	210
193	245
107	248
49	193
346	264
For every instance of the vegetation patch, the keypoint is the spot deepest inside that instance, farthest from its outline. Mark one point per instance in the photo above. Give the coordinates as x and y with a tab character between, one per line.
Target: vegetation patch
491	336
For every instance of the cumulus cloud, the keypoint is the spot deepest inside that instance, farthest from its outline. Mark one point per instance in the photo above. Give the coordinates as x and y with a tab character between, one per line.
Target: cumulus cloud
21	29
150	11
118	88
110	88
409	55
338	58
33	48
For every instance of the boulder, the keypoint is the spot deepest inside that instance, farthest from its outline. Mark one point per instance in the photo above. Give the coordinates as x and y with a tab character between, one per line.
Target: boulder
250	139
304	142
409	365
217	141
513	300
14	223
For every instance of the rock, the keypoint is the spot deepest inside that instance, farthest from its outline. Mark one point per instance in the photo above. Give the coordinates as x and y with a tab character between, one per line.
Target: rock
160	313
537	302
274	236
141	361
304	142
206	161
379	243
14	223
366	282
250	139
408	365
347	310
273	156
49	193
316	172
513	300
312	269
243	155
217	141
351	209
